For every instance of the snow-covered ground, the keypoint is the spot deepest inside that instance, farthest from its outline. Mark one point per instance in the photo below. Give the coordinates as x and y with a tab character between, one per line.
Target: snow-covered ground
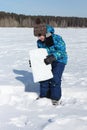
18	108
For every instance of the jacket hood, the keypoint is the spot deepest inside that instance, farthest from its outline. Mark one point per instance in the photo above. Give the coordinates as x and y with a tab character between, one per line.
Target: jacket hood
50	29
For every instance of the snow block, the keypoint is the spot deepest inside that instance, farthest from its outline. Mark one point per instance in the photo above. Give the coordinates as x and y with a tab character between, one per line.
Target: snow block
40	70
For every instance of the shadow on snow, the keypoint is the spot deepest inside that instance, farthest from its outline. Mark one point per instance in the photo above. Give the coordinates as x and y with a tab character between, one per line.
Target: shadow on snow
26	78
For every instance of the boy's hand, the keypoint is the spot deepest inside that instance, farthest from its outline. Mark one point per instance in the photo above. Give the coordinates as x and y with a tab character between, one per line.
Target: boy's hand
49	59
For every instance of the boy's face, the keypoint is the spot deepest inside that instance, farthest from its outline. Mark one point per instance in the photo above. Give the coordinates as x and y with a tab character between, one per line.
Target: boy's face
42	38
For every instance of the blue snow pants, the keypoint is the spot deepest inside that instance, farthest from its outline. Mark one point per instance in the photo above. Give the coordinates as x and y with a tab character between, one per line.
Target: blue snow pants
52	88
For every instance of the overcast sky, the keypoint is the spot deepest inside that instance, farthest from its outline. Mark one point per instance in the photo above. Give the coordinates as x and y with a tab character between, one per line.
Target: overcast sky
46	7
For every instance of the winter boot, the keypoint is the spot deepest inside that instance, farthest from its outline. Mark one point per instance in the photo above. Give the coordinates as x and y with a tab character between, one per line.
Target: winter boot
56	102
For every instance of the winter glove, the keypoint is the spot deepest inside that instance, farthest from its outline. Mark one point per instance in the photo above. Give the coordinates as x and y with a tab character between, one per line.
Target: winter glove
29	63
49	40
49	59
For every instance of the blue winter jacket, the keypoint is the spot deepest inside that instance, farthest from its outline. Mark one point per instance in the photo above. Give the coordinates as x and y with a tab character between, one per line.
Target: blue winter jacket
58	49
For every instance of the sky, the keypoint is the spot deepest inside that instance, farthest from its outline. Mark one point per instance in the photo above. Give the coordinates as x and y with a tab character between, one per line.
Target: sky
76	8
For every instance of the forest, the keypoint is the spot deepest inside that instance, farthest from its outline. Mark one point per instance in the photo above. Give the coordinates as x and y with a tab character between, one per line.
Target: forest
20	20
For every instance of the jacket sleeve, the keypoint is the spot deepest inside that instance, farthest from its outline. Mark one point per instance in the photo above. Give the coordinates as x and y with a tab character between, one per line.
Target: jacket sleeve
40	45
60	48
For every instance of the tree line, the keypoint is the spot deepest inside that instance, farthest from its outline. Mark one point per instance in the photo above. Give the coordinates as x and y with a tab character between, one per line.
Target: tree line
15	20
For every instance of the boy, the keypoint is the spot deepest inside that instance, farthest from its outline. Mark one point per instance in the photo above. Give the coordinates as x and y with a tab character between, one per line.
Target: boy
57	57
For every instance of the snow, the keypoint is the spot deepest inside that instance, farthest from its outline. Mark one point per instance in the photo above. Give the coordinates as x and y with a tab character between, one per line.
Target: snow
18	108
